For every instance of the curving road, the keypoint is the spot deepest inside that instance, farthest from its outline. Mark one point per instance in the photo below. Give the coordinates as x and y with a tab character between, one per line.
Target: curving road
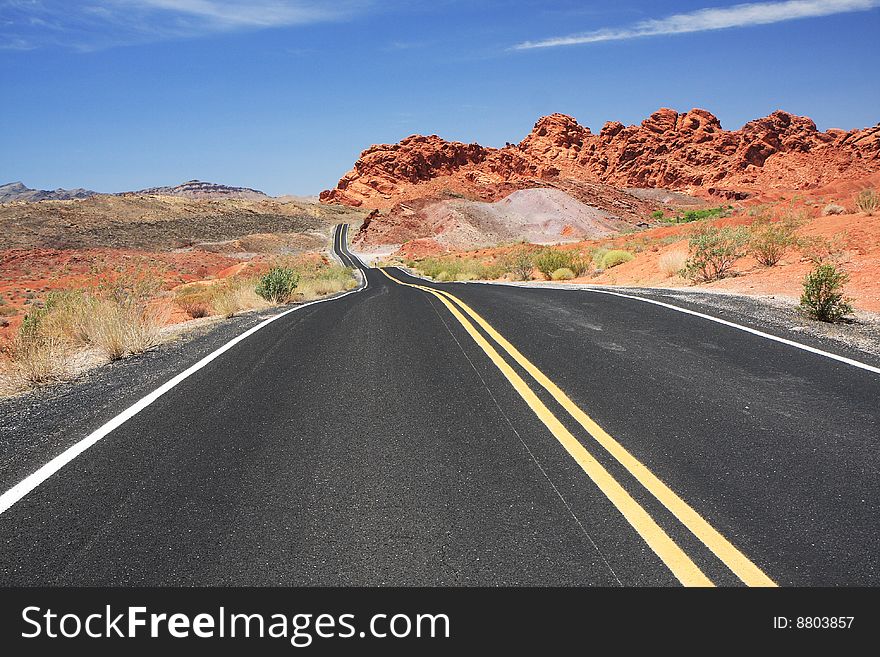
462	434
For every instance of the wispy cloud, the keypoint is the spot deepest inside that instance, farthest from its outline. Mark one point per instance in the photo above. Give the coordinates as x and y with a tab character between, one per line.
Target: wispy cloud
95	24
703	20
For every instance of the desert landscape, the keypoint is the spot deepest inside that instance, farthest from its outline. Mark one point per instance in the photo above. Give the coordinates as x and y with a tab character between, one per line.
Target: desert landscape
626	206
153	261
777	183
407	327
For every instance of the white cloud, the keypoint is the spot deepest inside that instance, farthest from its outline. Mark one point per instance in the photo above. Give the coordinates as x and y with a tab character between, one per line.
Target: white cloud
96	24
262	13
703	20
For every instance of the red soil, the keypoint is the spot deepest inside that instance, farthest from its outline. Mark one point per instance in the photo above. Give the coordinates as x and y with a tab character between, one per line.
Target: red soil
856	239
29	275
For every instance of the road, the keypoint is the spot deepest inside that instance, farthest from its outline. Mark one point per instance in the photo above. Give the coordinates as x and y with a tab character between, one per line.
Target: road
466	434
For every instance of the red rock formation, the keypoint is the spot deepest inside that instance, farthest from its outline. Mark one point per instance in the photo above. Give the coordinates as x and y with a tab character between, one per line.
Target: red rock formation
689	152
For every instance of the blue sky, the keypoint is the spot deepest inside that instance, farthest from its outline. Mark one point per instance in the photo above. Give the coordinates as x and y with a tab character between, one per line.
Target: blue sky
280	95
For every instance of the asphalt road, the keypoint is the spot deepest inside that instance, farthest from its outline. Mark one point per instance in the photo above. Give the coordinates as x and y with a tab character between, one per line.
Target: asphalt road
396	436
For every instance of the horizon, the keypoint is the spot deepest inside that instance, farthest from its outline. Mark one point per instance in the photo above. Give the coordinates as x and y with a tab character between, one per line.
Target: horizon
284	96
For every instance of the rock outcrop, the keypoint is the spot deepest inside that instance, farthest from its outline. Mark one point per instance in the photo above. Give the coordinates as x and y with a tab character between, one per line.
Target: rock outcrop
680	151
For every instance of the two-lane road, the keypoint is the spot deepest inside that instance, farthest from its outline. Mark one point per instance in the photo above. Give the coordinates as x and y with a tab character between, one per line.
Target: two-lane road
473	435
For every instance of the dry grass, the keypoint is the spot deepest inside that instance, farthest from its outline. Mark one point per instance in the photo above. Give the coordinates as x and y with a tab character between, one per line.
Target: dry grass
317	288
833	209
236	296
121	319
867	201
196	308
672	262
119	330
43	350
323	281
35	360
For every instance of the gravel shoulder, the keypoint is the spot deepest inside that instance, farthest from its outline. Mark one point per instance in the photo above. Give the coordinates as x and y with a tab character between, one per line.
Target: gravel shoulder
857	338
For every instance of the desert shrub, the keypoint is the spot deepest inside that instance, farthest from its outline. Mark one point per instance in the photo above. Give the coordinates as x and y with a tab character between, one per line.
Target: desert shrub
657	214
562	274
196	305
672	262
549	260
833	209
235	296
819	249
822	297
579	265
123	329
867	201
460	269
519	264
130	286
325	280
67	315
770	241
277	285
713	251
116	325
616	257
35	358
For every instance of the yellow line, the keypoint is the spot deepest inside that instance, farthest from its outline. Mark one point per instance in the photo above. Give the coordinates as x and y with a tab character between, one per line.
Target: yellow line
738	563
681	565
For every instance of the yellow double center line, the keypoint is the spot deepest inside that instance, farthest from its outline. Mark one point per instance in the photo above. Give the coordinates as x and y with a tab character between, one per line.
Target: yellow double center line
681	565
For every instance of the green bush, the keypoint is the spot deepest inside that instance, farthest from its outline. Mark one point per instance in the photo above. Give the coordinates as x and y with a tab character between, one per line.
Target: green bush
579	266
549	260
458	269
769	242
712	252
277	285
518	263
562	274
616	257
697	215
658	214
823	298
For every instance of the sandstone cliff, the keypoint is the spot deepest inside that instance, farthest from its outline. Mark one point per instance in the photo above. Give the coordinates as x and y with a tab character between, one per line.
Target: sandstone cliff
681	151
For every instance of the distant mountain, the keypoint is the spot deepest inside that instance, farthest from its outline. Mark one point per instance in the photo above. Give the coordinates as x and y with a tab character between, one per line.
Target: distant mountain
16	191
198	189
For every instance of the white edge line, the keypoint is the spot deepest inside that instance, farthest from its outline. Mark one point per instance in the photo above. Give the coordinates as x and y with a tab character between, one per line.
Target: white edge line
762	334
29	483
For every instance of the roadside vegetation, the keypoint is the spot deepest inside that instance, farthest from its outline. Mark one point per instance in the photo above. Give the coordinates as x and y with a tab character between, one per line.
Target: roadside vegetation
690	216
616	257
823	298
712	252
771	240
522	263
867	201
125	316
760	238
672	263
